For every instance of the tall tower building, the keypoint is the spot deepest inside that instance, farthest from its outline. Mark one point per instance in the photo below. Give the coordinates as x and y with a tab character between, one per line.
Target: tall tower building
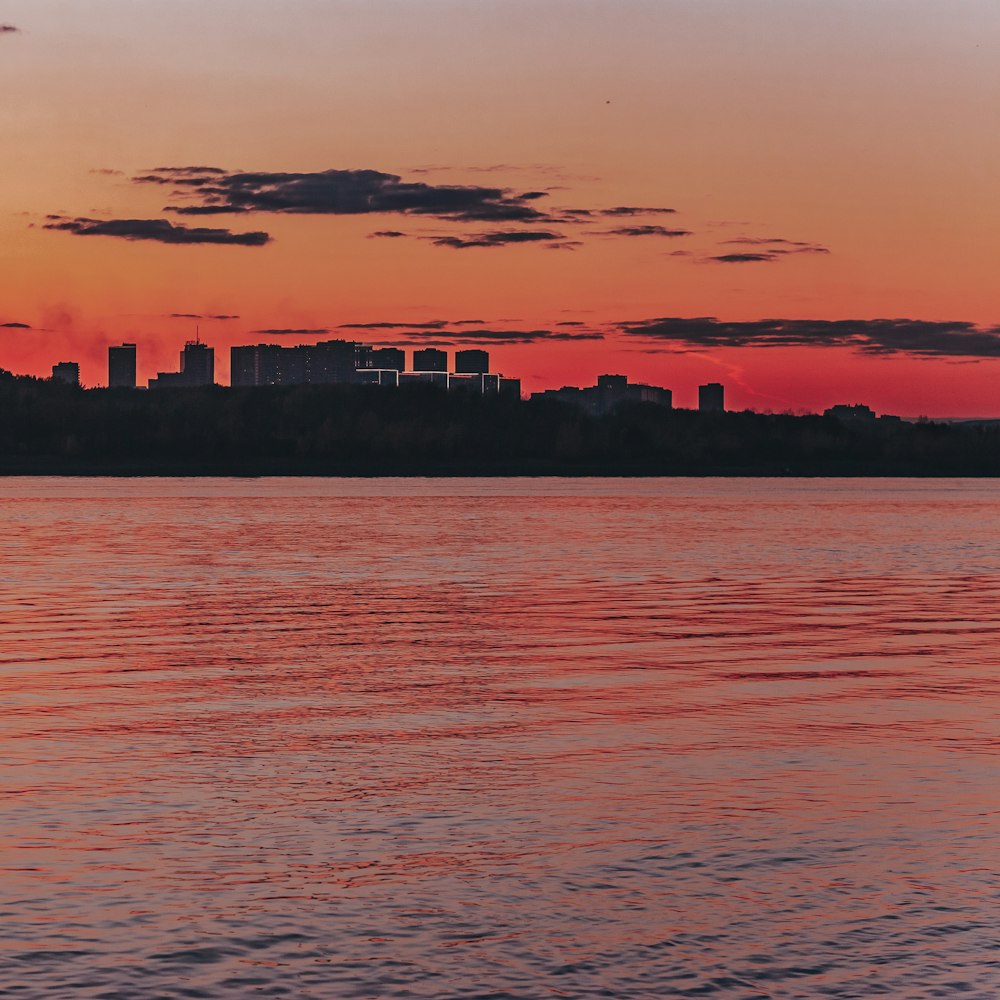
121	367
472	362
711	398
197	364
430	359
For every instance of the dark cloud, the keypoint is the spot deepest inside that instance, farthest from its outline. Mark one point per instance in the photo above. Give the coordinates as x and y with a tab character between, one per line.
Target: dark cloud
386	234
920	338
631	210
571	322
292	333
15	326
158	230
201	316
648	231
203	209
772	247
760	241
434	324
182	171
495	239
745	258
511	336
336	192
8	29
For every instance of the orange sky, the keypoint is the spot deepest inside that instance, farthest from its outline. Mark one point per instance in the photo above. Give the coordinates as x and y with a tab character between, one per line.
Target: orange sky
865	129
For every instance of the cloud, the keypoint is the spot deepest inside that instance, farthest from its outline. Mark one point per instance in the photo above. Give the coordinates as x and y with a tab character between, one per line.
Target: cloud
108	172
158	230
648	231
918	338
283	332
505	336
386	234
15	326
771	249
434	324
630	210
8	29
744	258
495	239
336	192
201	316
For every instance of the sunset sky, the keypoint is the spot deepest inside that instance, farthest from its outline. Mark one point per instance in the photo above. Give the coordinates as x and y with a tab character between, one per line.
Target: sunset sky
677	190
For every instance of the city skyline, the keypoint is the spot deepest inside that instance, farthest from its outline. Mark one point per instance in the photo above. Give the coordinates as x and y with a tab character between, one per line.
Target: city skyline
794	202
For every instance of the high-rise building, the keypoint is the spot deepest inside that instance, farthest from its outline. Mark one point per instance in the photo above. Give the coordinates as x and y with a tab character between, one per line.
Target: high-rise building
66	371
330	362
197	368
389	357
327	363
510	388
198	363
711	398
121	367
472	362
430	359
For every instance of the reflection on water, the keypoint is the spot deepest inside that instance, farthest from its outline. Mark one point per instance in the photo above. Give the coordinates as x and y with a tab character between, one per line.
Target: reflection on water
508	738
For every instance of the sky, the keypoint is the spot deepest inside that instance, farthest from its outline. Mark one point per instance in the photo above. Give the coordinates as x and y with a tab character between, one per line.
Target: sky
798	199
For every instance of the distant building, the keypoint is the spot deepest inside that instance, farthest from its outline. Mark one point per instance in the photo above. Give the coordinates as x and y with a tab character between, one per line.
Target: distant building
609	393
430	359
66	371
854	413
424	378
331	362
472	362
711	398
198	363
121	367
197	368
510	388
389	357
378	376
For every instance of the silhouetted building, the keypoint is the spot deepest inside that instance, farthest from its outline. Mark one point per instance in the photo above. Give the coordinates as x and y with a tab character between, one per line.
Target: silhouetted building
389	357
332	362
197	368
378	376
121	367
267	364
510	388
858	412
430	359
424	378
609	393
66	371
711	398
472	362
198	363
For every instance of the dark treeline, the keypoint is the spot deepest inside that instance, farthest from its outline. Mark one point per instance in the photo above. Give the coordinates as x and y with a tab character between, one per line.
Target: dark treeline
52	428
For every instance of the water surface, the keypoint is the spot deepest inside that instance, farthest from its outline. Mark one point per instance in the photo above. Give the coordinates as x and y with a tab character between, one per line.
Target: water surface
499	738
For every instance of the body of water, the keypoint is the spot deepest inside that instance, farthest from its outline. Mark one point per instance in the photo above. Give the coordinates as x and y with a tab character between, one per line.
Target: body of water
499	738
